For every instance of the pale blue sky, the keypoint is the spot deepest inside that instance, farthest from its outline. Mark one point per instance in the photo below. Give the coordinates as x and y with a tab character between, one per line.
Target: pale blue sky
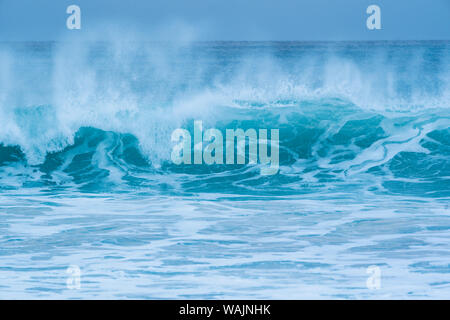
228	19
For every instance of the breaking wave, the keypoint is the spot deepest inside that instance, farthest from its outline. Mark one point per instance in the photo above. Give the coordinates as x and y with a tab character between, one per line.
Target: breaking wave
99	116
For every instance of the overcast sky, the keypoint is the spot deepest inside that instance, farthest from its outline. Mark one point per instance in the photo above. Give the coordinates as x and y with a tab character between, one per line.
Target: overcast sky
227	19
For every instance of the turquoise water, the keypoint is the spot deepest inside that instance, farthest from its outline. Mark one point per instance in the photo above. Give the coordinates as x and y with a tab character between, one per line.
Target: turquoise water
86	177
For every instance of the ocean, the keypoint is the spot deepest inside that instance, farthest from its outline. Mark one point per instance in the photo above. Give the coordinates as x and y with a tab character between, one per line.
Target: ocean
92	206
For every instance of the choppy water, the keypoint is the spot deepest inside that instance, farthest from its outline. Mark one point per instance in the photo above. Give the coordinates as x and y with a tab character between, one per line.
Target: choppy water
86	177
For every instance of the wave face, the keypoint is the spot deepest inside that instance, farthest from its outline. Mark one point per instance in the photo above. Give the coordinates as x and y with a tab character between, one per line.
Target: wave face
99	116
